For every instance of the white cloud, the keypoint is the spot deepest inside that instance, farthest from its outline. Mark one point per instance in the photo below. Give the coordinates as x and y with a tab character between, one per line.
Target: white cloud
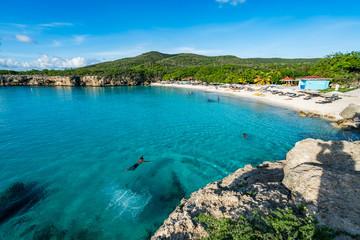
78	39
232	2
55	24
46	62
24	38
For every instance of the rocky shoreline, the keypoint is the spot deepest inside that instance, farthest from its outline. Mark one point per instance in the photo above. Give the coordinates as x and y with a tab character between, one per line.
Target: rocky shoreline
322	176
91	81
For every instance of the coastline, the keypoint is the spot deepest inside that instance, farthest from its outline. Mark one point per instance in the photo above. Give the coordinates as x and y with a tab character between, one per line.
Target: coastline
330	111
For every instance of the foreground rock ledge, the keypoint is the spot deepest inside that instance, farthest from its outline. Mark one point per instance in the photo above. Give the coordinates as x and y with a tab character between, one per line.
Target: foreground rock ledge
325	176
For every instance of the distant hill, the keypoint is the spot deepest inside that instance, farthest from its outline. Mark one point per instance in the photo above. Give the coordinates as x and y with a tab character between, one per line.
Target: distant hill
148	58
191	60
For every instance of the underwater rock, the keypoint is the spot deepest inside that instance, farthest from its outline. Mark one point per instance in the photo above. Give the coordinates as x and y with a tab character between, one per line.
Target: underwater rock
19	198
49	232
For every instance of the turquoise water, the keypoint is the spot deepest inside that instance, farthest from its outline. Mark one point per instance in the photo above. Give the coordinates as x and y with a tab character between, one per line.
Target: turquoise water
76	143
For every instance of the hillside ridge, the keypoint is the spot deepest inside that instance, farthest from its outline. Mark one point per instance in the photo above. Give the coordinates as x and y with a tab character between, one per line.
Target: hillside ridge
191	60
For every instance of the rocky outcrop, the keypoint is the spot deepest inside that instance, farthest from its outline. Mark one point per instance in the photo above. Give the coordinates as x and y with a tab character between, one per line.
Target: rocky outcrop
346	124
351	118
324	176
94	81
242	192
351	111
310	114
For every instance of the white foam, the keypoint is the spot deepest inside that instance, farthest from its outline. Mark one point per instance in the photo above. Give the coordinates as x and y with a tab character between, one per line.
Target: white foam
127	203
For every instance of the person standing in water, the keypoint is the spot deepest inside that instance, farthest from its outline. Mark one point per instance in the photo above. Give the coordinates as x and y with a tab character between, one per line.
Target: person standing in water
218	99
141	160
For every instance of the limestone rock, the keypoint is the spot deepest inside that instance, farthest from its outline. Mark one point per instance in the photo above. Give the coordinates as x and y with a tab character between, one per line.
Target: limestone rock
351	111
242	192
326	176
302	114
94	81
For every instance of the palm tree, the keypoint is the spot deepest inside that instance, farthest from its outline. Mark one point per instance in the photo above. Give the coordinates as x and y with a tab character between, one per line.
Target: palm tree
264	80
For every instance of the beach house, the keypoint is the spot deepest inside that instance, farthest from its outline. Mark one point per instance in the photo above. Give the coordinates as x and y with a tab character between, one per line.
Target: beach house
313	82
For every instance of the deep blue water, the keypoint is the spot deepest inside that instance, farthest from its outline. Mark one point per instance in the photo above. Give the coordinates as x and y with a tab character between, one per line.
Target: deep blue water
76	143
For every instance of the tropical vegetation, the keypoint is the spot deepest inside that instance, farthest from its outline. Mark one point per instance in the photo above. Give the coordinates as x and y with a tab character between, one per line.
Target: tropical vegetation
344	68
277	225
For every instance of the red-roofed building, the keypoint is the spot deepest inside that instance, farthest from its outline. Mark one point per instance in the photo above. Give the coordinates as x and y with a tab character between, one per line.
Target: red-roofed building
288	80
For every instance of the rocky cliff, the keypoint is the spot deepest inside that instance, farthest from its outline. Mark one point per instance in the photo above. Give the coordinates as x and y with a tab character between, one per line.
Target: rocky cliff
323	176
94	81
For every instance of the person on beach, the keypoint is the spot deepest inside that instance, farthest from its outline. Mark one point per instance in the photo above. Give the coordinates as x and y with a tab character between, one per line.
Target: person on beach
141	160
244	135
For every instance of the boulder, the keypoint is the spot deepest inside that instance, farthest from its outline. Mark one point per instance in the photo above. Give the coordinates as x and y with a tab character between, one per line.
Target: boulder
351	111
302	114
326	177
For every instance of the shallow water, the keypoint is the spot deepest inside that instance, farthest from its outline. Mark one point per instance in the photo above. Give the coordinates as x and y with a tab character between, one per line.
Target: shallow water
76	142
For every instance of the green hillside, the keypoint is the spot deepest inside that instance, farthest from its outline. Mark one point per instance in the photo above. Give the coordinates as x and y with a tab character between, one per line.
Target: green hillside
146	59
191	60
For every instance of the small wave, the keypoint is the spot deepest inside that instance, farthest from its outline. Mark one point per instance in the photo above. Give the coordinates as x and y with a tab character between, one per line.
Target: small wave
127	203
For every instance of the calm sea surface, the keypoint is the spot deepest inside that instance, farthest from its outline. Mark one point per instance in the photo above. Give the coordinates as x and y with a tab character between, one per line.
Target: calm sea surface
76	142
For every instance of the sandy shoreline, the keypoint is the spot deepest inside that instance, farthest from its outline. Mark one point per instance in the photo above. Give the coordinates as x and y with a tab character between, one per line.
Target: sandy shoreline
299	104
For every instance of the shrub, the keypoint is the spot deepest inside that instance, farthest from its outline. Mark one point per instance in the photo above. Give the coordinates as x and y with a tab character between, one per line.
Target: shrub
279	224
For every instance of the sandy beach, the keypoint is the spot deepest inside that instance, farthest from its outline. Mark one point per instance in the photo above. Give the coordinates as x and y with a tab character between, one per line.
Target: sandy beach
332	109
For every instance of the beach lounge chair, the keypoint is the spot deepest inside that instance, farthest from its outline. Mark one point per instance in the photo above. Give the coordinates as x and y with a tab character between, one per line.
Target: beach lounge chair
323	101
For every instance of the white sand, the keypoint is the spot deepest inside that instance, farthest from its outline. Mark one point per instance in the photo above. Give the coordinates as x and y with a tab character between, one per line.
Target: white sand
298	103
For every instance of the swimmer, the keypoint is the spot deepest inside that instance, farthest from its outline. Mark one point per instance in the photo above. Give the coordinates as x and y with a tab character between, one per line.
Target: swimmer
141	160
244	135
208	100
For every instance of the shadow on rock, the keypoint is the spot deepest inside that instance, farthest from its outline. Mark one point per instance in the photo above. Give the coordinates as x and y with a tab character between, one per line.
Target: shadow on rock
327	177
19	198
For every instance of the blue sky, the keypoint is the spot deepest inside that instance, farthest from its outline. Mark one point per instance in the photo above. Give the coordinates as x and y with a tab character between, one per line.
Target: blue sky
54	34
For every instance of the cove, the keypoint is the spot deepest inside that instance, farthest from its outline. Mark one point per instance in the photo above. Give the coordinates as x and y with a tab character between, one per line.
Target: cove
76	142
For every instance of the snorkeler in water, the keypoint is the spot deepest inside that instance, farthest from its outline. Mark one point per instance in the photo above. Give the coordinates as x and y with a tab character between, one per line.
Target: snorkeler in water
141	160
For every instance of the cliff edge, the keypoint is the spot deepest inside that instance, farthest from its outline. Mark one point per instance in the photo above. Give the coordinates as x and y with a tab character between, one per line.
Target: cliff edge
93	81
323	176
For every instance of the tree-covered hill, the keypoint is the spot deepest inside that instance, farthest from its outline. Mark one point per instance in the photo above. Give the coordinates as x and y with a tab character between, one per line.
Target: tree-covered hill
148	59
191	60
344	68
